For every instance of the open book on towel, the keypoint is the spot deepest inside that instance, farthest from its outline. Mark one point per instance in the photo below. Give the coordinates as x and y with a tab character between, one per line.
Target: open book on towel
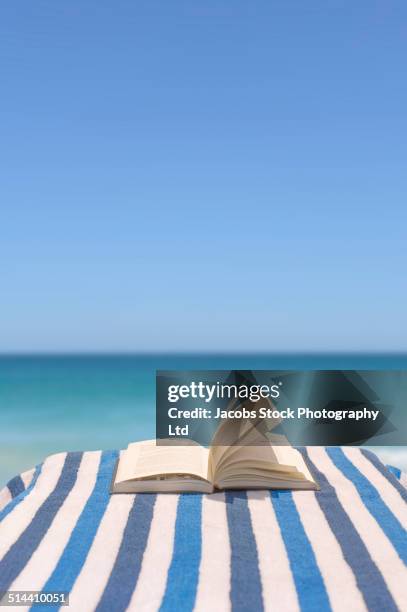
241	456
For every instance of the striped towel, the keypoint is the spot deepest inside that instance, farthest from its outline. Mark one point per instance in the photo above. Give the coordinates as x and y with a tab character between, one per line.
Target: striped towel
342	548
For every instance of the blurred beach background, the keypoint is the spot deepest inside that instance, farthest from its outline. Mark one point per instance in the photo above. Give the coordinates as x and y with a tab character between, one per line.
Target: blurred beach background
193	177
50	404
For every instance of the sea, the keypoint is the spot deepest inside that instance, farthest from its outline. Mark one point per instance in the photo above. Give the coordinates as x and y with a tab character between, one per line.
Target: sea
54	403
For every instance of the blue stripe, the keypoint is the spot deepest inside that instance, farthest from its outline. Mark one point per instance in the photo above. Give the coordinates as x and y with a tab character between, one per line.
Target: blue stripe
368	578
245	589
72	559
20	552
309	583
373	502
126	569
182	579
395	471
385	472
14	502
16	486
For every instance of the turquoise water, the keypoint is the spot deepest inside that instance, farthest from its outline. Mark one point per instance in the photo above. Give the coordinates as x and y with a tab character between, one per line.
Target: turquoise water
52	404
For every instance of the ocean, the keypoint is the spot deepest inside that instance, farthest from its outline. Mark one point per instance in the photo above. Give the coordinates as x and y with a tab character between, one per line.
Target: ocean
50	404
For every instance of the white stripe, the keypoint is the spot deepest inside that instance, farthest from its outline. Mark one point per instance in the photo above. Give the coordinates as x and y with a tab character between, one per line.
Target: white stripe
214	570
338	577
403	479
152	580
14	523
388	493
90	584
27	477
382	552
279	592
5	498
46	556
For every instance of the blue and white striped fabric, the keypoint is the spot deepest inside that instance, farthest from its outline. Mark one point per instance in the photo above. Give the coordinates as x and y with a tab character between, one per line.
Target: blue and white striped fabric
342	548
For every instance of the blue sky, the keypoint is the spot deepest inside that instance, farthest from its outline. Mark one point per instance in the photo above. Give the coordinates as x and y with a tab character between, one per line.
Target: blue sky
203	176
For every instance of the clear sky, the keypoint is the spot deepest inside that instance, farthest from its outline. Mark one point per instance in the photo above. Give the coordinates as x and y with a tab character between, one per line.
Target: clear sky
203	175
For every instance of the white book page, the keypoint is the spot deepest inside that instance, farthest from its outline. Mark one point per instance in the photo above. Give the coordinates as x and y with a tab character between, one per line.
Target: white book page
291	456
146	459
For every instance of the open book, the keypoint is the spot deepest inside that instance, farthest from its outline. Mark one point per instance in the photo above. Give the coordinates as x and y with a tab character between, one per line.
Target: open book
247	463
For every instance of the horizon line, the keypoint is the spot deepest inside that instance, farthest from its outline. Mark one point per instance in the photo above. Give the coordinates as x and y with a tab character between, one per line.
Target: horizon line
203	353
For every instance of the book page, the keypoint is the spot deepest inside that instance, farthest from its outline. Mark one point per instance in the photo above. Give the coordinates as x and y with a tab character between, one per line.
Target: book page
226	440
280	462
146	459
252	455
231	436
291	456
